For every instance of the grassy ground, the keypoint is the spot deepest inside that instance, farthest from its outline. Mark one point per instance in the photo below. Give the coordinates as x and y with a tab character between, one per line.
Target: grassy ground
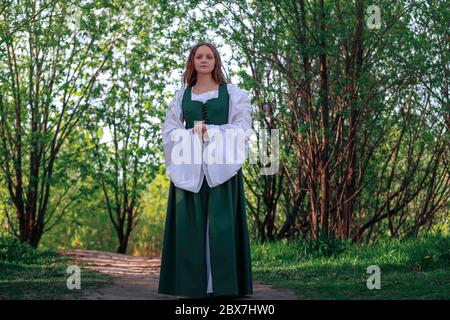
410	269
29	274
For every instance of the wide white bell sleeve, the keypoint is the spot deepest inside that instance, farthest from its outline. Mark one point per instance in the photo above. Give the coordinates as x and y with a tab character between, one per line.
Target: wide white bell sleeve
182	149
227	145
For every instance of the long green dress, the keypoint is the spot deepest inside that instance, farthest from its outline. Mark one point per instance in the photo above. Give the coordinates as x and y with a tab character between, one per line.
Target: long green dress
222	209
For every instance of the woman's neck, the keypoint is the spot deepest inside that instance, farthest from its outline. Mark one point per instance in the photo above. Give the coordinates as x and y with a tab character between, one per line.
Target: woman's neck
205	82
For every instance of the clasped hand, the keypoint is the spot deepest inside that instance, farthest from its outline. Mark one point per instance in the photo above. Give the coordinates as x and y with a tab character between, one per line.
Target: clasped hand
200	129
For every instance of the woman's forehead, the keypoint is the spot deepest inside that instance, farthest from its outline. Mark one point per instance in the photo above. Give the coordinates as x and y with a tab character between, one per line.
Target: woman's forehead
204	49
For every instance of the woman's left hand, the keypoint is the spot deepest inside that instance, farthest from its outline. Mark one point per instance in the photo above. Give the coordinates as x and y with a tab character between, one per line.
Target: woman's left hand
204	131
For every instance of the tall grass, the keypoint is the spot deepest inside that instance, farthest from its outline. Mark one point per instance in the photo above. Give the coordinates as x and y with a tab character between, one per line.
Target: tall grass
416	268
413	254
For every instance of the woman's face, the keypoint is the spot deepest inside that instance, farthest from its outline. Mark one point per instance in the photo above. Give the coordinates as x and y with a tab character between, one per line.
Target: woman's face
204	60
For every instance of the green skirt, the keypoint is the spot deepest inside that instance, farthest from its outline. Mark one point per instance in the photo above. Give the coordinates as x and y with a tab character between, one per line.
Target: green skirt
184	261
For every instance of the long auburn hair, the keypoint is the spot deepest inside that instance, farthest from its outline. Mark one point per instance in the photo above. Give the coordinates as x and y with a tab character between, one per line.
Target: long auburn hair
190	74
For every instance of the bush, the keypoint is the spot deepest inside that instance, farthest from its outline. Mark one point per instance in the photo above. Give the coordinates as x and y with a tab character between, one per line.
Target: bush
12	250
428	251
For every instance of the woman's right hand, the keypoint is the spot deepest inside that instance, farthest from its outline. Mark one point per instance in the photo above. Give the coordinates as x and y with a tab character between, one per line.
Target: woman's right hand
199	128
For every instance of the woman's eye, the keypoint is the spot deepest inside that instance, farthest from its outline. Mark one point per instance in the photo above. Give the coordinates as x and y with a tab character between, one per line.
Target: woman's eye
208	57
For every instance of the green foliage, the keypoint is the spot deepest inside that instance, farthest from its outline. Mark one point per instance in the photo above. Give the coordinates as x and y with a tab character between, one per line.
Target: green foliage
148	237
145	46
12	250
87	225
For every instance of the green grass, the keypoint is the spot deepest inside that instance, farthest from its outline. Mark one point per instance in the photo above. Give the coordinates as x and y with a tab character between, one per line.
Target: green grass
29	274
322	269
410	269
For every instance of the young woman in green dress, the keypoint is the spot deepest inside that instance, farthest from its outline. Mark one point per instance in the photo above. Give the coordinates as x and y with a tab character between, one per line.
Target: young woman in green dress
206	250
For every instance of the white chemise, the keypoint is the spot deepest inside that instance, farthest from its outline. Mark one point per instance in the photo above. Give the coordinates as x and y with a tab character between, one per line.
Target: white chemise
189	176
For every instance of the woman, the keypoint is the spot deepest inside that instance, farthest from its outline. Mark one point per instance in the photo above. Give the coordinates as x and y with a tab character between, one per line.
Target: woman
206	249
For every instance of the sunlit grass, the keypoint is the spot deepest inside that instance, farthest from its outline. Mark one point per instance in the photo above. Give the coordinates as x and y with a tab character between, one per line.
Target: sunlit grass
411	269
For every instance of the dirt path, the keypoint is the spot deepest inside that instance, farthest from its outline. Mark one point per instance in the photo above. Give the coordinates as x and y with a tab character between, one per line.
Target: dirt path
136	278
